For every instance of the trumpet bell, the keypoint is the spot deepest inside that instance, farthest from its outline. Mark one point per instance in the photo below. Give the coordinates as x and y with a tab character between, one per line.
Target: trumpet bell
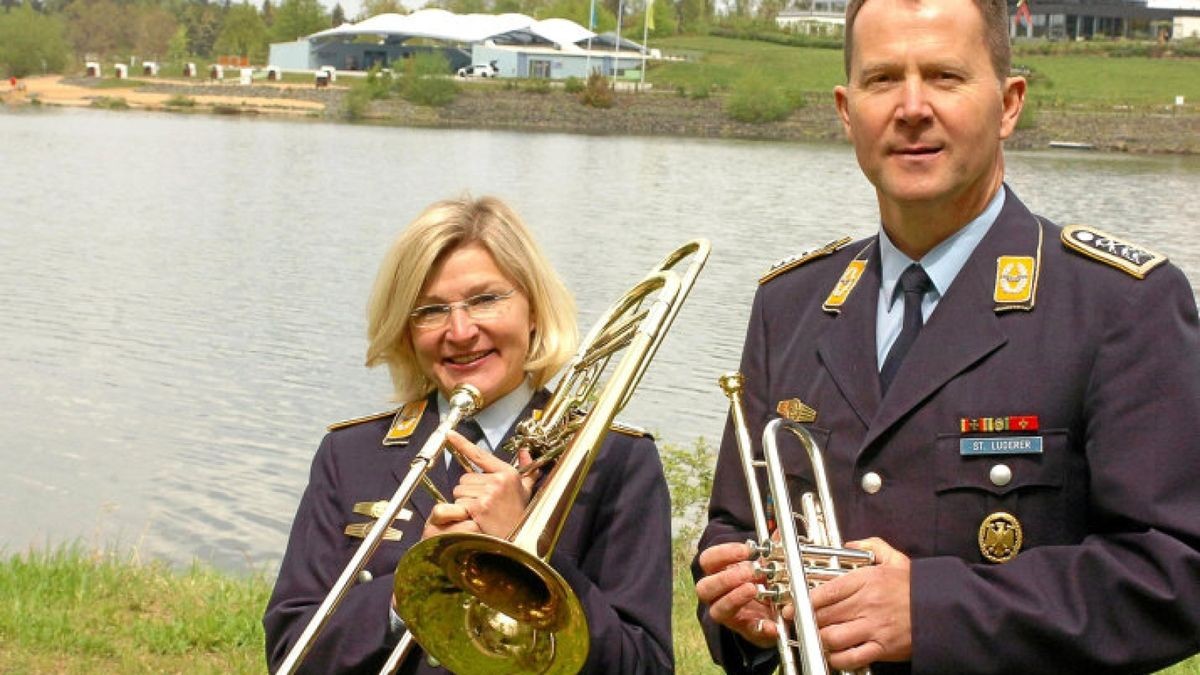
489	607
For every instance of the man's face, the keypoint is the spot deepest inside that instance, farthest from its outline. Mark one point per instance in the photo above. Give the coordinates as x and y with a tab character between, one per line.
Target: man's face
924	108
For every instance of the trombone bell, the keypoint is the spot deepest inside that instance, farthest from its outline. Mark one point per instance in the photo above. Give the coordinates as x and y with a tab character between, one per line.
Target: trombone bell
518	613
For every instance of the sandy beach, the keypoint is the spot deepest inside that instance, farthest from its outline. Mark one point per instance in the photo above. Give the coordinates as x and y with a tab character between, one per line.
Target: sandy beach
57	90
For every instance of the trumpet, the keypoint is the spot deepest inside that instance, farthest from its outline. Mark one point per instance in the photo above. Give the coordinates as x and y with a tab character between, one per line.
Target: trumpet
791	564
483	604
464	401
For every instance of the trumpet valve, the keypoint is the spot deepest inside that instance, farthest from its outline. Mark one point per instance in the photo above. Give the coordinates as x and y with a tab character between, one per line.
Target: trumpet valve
774	594
762	550
769	570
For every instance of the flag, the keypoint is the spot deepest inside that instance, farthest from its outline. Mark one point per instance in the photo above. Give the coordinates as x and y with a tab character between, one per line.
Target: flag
649	15
592	18
1024	15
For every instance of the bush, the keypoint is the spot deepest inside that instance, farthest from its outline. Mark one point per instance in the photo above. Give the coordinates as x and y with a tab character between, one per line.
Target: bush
537	86
597	93
426	81
180	101
376	85
756	99
573	85
689	473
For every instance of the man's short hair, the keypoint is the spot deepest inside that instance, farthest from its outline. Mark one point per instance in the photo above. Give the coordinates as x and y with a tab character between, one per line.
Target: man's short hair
441	229
995	32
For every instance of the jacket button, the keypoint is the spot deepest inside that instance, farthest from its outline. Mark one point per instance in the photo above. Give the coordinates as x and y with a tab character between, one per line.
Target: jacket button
871	482
365	577
1000	475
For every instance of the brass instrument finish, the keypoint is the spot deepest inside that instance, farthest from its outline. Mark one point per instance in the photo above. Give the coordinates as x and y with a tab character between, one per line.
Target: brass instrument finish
483	604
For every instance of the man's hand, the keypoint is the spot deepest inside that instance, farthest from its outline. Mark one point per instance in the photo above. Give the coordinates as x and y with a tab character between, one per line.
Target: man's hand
728	588
865	616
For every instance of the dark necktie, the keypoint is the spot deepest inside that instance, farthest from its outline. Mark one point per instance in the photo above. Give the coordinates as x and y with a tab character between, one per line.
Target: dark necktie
915	283
470	430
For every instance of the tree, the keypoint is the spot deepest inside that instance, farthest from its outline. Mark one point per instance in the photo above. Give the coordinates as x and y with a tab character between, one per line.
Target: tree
579	11
337	17
96	27
664	22
693	15
31	42
153	30
203	23
268	13
375	7
296	18
243	33
177	48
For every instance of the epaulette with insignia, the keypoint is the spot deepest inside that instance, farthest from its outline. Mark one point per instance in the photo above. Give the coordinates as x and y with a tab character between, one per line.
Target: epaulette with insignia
628	429
793	261
359	420
1130	258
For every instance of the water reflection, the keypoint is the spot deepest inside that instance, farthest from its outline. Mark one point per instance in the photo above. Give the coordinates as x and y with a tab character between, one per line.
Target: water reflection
185	295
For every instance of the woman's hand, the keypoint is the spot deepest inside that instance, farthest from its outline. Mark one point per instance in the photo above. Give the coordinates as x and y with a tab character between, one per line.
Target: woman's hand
490	501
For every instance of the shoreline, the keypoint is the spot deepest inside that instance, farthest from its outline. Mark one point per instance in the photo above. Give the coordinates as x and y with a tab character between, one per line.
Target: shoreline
493	105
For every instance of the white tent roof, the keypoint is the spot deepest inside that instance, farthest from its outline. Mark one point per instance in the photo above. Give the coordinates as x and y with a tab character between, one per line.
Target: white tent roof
439	24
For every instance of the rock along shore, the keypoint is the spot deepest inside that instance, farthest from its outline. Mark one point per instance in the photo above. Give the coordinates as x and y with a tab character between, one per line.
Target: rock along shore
493	105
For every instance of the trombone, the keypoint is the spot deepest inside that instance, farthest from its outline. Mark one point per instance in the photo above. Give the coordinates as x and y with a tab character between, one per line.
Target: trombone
483	604
791	564
464	401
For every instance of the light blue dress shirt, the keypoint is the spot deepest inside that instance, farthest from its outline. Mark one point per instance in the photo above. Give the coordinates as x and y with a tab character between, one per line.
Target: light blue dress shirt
496	419
942	264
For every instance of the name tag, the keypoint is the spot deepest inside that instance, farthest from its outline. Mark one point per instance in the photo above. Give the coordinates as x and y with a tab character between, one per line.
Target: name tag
1005	445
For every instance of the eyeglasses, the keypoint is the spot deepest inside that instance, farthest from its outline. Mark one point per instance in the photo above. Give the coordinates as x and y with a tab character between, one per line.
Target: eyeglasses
479	307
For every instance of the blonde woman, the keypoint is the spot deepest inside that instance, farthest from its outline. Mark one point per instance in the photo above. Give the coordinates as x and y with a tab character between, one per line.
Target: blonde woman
465	295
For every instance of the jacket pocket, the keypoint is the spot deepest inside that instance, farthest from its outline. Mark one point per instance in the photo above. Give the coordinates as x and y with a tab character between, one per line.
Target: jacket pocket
969	488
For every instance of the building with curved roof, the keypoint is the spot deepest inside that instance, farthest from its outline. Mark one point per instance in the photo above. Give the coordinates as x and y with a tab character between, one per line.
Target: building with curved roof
516	45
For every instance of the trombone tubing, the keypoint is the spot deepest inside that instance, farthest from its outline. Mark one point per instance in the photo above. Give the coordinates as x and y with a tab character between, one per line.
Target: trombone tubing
464	400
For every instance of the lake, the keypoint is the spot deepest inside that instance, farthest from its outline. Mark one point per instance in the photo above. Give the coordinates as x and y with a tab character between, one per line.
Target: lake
184	296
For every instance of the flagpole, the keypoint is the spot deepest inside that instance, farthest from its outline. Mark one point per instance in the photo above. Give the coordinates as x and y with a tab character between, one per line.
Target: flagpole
617	46
645	37
591	29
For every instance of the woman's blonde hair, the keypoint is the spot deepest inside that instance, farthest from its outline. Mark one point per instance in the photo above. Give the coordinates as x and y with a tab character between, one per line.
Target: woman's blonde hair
442	228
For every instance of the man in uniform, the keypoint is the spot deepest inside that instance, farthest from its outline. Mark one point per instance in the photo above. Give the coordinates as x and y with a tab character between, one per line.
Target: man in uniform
1009	410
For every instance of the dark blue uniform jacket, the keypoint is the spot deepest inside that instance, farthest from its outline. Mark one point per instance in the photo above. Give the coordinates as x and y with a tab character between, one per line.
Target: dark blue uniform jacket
1108	575
614	552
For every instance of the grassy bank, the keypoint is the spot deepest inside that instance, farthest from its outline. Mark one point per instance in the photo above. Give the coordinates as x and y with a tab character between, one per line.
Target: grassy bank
74	611
77	611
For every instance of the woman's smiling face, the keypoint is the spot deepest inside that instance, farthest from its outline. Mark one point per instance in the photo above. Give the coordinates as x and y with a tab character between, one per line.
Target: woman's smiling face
489	353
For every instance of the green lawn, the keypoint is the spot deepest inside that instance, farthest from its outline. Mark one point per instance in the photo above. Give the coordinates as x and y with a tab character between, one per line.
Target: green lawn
74	611
1072	80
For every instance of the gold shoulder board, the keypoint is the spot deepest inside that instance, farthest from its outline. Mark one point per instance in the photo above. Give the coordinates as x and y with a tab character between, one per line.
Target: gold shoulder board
359	420
628	429
793	261
1123	255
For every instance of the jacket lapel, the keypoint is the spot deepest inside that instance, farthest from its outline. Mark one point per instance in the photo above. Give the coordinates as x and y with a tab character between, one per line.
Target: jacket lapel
849	338
421	502
963	329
